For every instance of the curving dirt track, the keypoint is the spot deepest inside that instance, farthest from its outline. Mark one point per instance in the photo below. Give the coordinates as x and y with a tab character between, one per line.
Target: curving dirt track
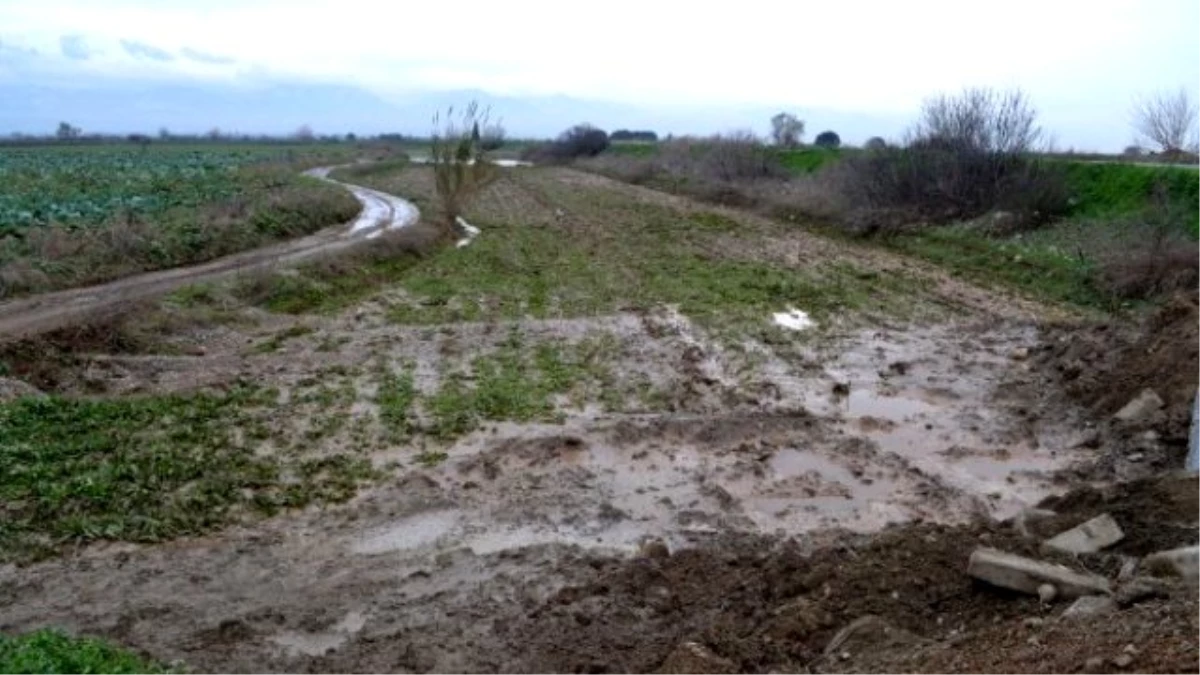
26	317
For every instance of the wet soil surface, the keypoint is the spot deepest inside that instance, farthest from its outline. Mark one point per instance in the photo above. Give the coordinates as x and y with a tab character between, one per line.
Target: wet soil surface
519	551
801	506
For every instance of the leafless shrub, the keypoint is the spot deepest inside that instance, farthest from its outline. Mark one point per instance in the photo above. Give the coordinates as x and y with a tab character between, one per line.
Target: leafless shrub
736	156
809	198
966	155
1155	257
980	119
460	168
1167	120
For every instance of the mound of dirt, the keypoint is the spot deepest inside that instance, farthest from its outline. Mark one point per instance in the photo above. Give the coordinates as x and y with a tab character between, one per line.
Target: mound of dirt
1104	366
762	604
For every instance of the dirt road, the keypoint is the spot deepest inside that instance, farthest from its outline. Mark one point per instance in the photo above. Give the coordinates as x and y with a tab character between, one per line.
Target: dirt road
46	312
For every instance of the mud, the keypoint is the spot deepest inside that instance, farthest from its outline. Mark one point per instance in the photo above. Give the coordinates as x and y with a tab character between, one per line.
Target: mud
754	499
742	471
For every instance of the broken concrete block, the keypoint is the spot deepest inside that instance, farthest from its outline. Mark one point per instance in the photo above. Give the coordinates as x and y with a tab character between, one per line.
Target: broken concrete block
1098	533
1141	588
693	657
1089	606
1183	562
1026	575
1141	407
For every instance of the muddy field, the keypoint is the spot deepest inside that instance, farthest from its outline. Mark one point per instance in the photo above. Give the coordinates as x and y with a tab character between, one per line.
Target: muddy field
673	477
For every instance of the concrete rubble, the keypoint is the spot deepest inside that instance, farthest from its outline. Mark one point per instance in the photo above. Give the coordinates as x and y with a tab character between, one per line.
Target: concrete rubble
1141	407
1089	606
1182	562
1027	575
1096	534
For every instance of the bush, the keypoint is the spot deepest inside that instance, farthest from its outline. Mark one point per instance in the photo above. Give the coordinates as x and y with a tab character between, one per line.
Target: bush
941	183
1159	258
738	156
582	140
966	156
828	139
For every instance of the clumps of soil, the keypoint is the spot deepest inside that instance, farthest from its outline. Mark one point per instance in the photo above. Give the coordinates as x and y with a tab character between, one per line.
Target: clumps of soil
760	604
764	604
53	361
1103	365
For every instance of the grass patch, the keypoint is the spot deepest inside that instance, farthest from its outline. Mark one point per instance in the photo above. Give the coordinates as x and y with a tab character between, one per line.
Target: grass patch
1039	271
802	161
1105	191
512	383
627	254
53	651
146	469
395	398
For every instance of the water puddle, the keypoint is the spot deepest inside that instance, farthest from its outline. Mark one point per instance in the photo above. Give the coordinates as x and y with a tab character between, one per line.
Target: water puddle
424	529
868	403
317	644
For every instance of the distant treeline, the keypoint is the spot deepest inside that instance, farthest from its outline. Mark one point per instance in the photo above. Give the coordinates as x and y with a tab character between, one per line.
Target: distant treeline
627	135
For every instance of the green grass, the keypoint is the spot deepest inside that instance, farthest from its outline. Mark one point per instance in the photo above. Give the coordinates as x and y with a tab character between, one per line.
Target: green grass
1106	190
395	398
53	651
806	160
146	469
1039	271
513	383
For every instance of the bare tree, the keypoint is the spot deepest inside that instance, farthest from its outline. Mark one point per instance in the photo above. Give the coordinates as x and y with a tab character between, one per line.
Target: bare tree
1166	120
304	133
214	133
459	166
980	119
787	130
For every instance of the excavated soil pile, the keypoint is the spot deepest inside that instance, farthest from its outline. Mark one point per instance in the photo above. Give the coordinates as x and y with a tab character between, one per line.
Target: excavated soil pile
762	605
1104	366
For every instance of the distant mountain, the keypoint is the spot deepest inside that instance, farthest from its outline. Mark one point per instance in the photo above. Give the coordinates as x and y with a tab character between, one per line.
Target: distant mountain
113	105
120	106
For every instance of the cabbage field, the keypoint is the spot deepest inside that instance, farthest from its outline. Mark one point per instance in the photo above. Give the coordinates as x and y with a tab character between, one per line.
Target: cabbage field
83	186
73	215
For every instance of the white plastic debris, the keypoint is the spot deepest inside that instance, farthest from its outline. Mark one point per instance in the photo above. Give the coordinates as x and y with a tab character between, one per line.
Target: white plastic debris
471	231
794	319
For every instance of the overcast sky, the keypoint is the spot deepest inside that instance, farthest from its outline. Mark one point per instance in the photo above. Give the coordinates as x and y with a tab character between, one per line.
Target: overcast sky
1081	62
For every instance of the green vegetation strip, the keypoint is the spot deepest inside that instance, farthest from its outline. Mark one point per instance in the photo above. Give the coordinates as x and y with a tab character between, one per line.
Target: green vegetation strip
53	651
146	469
